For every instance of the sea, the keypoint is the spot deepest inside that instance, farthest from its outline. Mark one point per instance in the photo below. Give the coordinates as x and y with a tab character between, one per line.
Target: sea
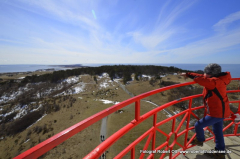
233	68
28	68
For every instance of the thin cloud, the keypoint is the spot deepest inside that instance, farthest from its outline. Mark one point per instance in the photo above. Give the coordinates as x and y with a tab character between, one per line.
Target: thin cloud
12	41
70	13
223	23
164	29
209	46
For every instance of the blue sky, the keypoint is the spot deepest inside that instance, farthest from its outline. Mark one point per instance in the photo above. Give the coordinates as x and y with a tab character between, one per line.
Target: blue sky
119	31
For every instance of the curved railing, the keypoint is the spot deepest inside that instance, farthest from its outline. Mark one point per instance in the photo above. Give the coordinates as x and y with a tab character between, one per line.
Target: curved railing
57	139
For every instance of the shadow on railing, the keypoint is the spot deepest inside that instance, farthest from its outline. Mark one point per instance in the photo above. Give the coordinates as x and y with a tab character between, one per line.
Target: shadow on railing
57	139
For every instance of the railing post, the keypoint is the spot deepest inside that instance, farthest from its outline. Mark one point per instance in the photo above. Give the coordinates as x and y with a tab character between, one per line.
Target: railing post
173	124
137	110
235	129
154	120
154	132
238	107
133	153
188	121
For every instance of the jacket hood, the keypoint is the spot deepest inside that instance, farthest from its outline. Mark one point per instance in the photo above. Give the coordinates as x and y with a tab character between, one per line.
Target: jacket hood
225	77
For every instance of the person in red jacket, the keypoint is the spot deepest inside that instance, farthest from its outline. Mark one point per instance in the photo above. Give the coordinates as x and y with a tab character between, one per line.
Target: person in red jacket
216	101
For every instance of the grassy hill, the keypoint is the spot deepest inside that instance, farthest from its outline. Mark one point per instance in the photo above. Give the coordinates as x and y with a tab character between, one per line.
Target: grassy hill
80	99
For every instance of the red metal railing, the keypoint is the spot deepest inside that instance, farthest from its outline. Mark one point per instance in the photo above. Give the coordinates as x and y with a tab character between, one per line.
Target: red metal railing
57	139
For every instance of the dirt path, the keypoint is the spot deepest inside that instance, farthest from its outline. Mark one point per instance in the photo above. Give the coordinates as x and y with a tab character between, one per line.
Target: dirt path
132	95
124	88
103	131
103	134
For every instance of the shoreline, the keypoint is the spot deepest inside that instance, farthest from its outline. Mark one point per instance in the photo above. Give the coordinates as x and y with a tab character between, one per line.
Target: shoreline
41	70
11	69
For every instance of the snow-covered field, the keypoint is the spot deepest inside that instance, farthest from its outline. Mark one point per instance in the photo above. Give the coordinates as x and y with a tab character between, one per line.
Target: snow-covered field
77	86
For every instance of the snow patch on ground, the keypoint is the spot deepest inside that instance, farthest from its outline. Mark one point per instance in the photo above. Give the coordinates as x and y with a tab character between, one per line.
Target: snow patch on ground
116	80
108	101
36	108
71	80
79	88
21	112
26	141
105	81
169	115
104	75
152	103
176	112
37	120
12	96
146	76
104	85
13	110
74	89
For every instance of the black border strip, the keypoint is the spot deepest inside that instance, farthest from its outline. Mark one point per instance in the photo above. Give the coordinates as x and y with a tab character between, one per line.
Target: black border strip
215	90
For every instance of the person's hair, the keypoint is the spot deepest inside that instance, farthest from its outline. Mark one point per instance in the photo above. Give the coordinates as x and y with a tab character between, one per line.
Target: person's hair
213	69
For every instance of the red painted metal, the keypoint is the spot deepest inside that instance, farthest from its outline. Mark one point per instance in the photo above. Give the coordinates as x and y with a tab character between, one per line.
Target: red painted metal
50	143
137	110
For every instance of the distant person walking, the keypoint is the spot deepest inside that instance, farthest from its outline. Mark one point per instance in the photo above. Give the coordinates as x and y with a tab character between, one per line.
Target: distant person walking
216	102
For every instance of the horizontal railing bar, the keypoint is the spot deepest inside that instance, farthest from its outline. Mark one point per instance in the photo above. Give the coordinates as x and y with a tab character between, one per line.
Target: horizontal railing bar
235	101
196	108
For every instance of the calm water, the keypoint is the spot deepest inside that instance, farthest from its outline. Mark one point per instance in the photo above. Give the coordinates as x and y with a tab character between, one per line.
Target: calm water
233	68
25	68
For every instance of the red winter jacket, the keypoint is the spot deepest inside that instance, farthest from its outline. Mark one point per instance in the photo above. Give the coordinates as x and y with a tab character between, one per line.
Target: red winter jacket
214	93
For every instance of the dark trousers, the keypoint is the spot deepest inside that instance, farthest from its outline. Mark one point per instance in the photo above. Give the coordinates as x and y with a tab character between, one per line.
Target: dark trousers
217	124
